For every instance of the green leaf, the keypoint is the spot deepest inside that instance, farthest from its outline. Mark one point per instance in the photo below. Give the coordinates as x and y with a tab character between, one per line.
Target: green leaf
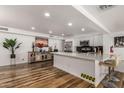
10	43
6	45
18	46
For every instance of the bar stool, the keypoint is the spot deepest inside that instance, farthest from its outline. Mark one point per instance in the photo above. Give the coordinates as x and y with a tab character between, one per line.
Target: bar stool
111	64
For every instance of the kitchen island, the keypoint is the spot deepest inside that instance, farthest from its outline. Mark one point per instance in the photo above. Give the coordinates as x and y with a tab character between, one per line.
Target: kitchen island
84	66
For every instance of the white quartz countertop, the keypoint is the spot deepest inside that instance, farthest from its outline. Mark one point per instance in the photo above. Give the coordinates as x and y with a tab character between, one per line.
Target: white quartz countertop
87	56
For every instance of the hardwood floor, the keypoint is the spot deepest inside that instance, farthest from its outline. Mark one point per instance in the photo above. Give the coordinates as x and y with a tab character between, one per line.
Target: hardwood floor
39	75
119	84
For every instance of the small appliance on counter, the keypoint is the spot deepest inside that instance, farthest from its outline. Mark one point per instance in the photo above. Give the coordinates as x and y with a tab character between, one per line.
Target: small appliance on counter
90	49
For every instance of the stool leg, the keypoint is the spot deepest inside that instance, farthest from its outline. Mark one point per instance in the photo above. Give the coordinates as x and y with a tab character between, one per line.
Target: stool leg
113	69
109	70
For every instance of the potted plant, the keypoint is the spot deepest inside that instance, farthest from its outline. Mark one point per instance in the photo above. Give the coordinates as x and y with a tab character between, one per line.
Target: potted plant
11	44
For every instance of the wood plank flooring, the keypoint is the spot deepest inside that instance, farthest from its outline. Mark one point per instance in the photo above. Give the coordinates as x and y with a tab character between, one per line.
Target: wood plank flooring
39	75
119	84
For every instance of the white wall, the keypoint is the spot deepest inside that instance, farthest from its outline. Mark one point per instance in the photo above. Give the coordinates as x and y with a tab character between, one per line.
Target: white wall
52	43
21	53
108	40
55	42
26	37
107	43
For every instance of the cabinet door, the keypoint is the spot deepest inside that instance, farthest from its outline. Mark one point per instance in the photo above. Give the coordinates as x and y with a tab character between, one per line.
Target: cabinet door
38	57
49	56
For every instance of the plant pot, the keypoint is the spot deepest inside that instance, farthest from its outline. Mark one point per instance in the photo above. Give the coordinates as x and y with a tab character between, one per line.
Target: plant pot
12	56
12	61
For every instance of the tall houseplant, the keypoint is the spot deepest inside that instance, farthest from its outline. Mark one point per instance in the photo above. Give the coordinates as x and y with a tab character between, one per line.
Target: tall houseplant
11	45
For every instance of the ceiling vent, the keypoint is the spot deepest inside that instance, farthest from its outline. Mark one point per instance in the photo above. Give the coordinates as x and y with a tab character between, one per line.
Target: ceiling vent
105	7
3	29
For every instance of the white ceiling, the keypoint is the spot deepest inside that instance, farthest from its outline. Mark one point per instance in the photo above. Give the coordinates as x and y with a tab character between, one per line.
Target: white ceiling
27	16
112	18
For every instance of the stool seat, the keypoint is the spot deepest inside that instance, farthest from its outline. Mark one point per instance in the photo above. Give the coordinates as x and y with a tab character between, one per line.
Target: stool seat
109	63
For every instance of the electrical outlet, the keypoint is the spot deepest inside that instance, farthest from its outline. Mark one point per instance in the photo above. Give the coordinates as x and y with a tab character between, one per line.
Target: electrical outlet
88	77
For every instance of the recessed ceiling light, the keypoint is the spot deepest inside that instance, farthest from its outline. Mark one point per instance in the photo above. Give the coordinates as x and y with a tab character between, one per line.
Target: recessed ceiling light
47	14
83	29
50	32
69	24
33	28
63	34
